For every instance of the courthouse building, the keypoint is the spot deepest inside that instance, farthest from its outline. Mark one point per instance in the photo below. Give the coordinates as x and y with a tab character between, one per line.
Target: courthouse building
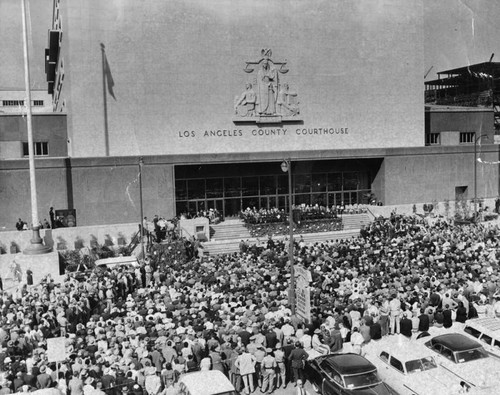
214	95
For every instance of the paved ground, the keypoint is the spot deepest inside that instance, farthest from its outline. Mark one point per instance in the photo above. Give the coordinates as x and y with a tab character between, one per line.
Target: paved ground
289	390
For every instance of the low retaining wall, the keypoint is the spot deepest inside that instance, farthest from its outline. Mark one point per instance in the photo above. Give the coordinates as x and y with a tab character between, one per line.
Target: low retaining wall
12	242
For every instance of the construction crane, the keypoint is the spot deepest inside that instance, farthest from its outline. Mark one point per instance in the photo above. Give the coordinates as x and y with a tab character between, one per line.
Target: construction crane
428	71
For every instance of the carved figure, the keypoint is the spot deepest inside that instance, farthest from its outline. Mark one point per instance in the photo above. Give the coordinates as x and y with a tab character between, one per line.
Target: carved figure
267	81
287	101
271	101
245	104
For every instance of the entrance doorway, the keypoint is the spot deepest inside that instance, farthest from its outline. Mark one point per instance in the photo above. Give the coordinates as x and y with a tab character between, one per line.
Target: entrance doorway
231	188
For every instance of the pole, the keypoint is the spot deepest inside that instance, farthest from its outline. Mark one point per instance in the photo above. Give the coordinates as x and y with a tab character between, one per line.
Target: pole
141	226
475	173
475	178
37	246
290	245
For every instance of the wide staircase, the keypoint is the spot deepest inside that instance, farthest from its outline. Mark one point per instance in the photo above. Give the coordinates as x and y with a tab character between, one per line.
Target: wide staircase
230	229
355	221
226	236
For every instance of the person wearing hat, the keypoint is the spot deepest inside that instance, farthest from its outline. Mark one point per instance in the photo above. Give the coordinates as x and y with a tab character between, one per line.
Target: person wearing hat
279	357
259	354
406	324
246	365
300	388
268	371
18	382
43	380
297	359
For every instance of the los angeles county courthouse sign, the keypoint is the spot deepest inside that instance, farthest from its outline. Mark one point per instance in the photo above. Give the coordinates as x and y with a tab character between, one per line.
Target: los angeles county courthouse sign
268	99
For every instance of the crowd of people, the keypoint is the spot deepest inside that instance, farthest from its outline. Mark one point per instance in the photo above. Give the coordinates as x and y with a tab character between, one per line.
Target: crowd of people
137	330
300	212
213	215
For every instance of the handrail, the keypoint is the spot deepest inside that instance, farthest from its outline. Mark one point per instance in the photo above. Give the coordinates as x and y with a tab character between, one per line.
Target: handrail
134	241
368	211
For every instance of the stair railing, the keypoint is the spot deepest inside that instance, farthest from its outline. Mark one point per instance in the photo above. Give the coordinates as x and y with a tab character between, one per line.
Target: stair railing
133	243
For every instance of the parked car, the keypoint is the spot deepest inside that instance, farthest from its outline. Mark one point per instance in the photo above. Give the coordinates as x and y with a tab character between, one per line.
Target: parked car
209	382
467	359
410	368
345	374
487	331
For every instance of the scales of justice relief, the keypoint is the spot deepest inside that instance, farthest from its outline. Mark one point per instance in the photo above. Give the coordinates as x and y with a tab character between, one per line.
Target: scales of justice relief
268	98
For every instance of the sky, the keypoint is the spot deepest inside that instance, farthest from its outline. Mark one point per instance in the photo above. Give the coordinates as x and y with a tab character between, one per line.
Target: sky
456	33
459	33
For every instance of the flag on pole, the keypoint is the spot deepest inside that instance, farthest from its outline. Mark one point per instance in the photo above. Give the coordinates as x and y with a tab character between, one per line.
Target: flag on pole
109	77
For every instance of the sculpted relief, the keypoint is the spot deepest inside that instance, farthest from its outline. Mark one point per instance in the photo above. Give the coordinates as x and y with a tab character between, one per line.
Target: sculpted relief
267	98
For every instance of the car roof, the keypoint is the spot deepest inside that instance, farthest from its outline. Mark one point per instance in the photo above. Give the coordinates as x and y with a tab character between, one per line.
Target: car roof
206	382
349	363
456	342
482	324
401	348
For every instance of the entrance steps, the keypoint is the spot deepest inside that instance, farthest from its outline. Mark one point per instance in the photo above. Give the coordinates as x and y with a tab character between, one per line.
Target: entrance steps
355	221
226	236
231	229
232	245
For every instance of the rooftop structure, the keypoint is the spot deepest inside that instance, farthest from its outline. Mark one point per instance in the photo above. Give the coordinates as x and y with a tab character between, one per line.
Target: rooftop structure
476	85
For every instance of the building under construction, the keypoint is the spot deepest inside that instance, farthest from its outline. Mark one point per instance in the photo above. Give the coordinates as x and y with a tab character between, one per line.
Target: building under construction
476	85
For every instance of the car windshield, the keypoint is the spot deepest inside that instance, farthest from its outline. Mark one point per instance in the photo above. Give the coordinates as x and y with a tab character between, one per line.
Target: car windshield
361	380
470	355
419	365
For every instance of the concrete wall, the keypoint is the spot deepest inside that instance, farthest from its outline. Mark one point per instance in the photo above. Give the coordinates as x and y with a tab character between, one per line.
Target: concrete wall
106	190
479	121
423	177
176	76
102	192
49	128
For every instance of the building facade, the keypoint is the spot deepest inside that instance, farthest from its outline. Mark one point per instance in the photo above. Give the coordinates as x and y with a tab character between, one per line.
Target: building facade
215	95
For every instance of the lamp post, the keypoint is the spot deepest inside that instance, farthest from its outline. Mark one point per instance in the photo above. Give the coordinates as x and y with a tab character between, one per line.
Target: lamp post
286	167
475	174
37	246
141	226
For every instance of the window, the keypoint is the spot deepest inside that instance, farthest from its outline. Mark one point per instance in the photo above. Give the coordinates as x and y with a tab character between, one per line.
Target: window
384	356
38	103
471	355
445	352
180	189
419	365
486	339
396	364
472	331
467	137
41	148
432	139
12	103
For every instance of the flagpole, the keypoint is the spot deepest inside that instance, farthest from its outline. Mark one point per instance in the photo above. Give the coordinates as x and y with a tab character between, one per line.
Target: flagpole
37	246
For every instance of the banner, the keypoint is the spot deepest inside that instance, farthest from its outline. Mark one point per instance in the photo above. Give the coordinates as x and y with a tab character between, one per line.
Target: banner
302	292
56	349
